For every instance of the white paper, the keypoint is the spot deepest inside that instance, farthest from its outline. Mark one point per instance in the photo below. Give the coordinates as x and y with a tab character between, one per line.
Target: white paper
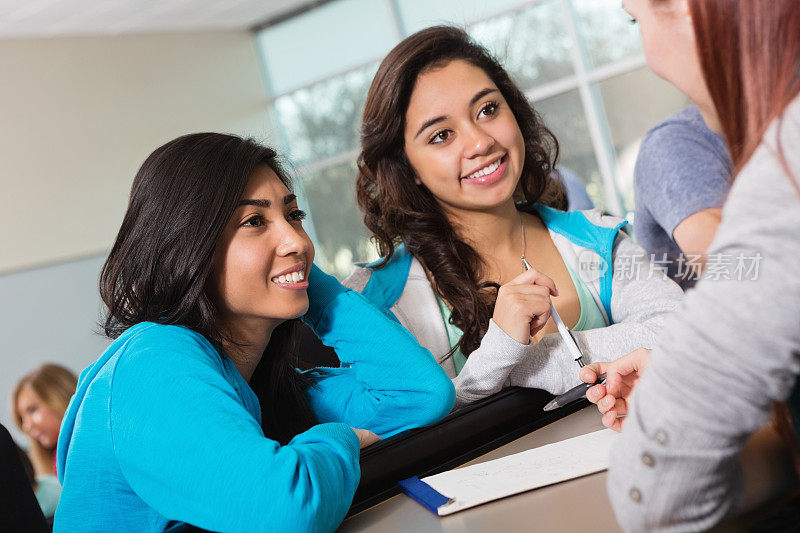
473	485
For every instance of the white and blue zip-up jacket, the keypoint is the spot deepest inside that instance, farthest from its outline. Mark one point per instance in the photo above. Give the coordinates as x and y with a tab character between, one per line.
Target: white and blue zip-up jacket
633	295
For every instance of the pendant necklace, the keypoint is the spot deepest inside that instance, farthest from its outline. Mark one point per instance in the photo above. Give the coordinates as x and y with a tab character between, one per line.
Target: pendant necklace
525	264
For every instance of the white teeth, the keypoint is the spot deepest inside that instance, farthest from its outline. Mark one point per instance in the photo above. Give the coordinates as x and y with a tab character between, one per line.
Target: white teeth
291	277
485	170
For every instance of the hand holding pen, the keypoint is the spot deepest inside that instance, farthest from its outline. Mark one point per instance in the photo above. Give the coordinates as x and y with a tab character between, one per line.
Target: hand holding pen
523	305
622	375
576	393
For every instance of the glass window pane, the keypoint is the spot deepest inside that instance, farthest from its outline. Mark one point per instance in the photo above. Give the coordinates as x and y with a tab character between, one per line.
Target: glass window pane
532	44
341	237
418	14
635	102
332	38
605	31
324	120
563	114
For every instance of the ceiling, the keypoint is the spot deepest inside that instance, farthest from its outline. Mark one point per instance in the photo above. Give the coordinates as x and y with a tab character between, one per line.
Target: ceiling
50	18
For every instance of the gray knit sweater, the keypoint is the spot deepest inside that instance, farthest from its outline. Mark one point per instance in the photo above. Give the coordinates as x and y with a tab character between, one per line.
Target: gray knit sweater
642	296
731	349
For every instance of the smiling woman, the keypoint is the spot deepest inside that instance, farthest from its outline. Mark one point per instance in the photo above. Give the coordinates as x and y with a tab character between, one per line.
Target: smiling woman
456	182
263	244
496	148
196	413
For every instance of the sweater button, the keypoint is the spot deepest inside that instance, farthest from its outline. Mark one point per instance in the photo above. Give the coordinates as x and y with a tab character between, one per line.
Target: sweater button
635	495
648	460
661	436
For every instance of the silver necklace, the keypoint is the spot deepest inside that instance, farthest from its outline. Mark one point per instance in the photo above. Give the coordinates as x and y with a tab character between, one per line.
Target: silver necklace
525	264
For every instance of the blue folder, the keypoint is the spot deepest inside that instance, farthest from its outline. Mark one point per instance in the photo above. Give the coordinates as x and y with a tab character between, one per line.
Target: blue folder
423	494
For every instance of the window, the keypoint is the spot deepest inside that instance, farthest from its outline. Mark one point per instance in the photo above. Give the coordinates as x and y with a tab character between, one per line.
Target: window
579	61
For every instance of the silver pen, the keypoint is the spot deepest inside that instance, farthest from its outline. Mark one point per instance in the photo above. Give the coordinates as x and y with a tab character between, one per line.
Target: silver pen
563	330
578	392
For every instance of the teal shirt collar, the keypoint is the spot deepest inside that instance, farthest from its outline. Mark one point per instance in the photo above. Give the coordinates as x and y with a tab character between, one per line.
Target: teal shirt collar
387	283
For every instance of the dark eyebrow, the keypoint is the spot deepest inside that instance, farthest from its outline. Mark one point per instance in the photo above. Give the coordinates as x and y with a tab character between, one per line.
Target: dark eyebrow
263	202
429	123
480	95
472	102
256	202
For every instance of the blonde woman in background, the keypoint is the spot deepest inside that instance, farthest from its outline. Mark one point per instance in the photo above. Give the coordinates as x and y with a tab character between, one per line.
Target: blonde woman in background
40	399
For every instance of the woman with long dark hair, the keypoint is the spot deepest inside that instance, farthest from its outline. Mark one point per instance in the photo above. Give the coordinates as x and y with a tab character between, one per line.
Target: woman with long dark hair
456	185
196	413
731	356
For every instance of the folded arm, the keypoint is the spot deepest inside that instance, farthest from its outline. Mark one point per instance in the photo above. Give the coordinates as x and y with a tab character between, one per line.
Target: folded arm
387	382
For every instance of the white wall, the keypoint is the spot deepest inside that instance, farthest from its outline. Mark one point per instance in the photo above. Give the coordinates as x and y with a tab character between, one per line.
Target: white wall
77	118
79	115
47	315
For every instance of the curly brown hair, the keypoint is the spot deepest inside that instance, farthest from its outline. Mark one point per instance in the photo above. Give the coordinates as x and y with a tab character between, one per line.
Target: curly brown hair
397	210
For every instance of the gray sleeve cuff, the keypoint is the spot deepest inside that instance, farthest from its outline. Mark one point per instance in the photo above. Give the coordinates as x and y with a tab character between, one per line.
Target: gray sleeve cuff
487	368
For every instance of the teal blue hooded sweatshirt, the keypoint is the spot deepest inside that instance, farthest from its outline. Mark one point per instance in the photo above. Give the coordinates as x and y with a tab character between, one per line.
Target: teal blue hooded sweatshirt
164	429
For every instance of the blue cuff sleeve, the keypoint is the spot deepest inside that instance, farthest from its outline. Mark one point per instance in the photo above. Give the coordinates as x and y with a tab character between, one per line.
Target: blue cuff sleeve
322	290
388	383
